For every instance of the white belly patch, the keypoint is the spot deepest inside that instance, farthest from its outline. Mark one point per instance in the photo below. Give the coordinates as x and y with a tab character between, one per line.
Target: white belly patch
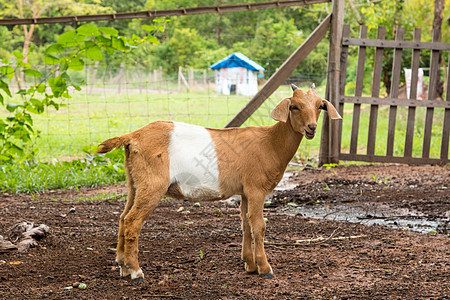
193	162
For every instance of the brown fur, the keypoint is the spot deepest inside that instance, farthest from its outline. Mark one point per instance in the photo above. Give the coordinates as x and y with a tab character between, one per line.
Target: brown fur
251	162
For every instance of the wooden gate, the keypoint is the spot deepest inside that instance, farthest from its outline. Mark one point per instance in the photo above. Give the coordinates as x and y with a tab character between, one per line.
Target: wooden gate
393	101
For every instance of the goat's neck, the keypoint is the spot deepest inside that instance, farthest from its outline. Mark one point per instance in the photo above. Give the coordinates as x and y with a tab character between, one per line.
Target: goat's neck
285	141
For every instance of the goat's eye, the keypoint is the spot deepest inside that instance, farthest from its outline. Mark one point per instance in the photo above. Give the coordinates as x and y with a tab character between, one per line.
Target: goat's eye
294	107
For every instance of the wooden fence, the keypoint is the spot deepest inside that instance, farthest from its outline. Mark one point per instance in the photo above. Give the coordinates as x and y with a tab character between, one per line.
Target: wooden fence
393	100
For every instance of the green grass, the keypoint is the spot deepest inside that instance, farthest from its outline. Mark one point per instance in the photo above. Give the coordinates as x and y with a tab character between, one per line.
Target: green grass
30	177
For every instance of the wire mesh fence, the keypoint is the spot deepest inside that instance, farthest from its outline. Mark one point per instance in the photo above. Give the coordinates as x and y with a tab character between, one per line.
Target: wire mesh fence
114	101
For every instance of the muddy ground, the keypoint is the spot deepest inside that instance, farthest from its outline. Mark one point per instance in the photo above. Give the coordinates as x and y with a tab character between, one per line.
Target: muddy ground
194	252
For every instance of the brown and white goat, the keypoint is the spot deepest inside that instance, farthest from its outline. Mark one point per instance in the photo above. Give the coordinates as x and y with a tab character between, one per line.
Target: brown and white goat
196	163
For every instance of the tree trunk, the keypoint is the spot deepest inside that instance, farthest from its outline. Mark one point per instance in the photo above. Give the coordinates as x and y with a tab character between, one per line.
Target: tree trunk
437	30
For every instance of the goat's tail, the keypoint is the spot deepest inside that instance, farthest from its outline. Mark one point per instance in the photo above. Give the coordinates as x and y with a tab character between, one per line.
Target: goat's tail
112	143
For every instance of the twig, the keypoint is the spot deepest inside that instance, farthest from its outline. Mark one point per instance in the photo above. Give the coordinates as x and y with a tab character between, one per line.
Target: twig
317	241
162	296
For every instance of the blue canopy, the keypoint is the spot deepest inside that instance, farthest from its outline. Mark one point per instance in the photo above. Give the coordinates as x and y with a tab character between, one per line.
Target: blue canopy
237	60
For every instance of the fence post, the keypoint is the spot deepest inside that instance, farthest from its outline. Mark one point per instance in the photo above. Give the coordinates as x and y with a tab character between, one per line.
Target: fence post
140	79
204	78
191	77
119	85
160	79
329	146
93	78
179	78
182	79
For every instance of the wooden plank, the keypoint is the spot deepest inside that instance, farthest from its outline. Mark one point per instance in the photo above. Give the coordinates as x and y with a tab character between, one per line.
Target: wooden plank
393	159
446	126
376	80
163	13
434	78
281	74
412	95
396	68
392	101
358	92
329	146
342	81
396	44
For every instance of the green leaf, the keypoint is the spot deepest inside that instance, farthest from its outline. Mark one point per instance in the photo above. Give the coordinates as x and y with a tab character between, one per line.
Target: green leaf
41	88
4	86
55	48
118	43
38	104
24	65
76	64
51	60
12	107
32	73
148	27
1	101
63	64
88	30
102	41
94	53
70	39
152	39
14	148
109	31
108	49
7	71
17	54
58	85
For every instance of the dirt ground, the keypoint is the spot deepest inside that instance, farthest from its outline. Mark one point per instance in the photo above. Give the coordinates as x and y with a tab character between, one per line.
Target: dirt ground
194	252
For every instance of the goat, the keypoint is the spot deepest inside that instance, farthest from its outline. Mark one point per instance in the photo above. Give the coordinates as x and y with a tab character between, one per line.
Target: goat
195	163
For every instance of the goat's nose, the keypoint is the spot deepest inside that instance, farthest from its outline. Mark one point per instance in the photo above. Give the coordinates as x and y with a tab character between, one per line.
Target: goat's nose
312	127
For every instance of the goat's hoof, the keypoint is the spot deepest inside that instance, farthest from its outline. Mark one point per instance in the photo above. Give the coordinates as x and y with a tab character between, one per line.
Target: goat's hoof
137	275
138	280
124	272
266	276
251	268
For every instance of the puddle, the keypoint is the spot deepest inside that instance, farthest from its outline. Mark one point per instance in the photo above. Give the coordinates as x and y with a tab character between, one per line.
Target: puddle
285	184
369	213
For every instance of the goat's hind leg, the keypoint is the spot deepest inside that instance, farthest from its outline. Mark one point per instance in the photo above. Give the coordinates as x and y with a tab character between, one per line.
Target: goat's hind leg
145	202
124	272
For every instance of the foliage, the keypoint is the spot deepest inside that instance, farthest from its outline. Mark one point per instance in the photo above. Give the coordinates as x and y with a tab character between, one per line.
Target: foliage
51	89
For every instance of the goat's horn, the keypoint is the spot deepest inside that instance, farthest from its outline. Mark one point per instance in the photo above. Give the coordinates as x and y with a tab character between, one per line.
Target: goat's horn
294	87
313	86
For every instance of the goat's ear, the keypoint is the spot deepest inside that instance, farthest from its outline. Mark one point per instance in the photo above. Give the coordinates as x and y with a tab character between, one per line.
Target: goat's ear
332	112
281	111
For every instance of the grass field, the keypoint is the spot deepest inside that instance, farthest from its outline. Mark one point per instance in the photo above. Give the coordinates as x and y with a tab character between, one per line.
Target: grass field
87	120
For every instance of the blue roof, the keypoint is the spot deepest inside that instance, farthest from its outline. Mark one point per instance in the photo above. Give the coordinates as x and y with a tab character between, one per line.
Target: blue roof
237	60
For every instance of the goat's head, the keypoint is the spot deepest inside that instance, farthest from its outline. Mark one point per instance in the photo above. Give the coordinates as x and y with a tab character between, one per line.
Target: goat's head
302	111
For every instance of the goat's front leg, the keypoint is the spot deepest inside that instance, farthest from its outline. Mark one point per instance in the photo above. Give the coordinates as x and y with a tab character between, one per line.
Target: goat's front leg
258	227
247	249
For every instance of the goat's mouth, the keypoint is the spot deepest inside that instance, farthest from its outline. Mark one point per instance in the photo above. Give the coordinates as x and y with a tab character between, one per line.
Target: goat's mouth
309	135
